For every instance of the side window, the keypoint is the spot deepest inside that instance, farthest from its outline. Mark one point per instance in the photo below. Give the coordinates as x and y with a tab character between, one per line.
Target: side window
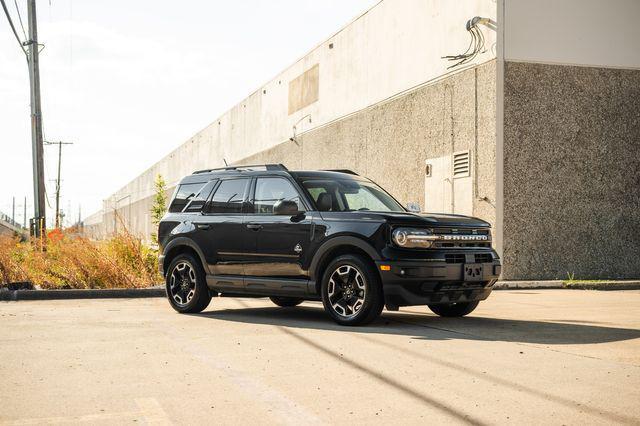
228	197
196	203
183	195
271	190
315	192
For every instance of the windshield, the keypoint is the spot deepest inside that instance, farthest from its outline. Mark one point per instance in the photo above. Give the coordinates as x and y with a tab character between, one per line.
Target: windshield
344	195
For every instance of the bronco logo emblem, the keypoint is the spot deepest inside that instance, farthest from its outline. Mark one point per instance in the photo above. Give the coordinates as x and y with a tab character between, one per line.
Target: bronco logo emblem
465	237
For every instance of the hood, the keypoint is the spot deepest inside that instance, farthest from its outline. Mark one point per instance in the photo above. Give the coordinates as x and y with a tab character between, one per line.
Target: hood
413	219
435	219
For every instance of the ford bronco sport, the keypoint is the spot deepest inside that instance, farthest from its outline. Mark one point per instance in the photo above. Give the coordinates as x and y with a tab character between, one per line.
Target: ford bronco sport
318	235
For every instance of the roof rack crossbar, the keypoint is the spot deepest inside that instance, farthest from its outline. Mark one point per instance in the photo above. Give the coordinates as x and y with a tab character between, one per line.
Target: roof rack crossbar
244	168
347	171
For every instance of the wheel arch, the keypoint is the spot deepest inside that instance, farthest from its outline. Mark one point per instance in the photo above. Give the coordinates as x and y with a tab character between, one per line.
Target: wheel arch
336	247
181	246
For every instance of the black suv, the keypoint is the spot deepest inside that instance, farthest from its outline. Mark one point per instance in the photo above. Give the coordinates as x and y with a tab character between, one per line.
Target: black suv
318	235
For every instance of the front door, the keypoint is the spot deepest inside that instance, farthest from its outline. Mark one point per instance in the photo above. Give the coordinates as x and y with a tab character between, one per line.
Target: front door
277	243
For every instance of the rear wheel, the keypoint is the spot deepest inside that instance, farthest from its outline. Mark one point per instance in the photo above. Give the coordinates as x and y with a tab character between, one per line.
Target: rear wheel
351	290
454	309
186	286
286	302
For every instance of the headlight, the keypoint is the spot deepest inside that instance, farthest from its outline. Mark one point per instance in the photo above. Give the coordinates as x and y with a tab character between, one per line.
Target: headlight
413	237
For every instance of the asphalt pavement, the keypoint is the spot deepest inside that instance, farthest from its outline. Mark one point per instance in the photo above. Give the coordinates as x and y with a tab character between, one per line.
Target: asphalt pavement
523	357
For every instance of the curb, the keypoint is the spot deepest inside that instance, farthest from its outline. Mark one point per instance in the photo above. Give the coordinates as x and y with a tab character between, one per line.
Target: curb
110	293
159	291
513	285
603	285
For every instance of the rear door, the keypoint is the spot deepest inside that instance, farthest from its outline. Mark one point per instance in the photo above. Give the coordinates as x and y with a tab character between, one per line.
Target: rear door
276	243
219	230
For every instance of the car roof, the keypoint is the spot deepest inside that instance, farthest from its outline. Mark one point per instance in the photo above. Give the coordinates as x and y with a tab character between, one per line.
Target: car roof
207	175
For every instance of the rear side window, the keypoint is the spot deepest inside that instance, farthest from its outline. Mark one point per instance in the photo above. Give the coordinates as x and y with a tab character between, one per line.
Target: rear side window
229	197
184	194
196	203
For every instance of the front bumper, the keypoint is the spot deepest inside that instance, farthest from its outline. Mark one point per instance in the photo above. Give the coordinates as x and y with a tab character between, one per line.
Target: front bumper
423	282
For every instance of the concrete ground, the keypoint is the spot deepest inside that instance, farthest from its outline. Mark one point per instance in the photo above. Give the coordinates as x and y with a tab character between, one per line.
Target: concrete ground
523	357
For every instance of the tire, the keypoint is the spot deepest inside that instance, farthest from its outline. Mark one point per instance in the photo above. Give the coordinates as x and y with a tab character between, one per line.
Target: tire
184	275
286	302
454	309
357	276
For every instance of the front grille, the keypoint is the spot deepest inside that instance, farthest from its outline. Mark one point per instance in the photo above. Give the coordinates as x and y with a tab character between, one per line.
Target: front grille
473	231
454	258
484	258
449	240
460	244
461	258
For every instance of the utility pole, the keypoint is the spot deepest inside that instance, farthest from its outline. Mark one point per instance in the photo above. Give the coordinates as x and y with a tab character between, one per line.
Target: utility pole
36	124
24	214
13	211
59	143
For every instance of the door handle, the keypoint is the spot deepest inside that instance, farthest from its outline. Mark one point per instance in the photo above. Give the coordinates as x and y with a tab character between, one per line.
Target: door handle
254	226
203	226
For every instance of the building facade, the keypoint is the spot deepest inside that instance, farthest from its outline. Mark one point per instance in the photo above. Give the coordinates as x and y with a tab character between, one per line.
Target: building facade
516	131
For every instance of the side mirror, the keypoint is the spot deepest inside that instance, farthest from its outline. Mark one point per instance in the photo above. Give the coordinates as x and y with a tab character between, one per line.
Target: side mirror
285	208
413	207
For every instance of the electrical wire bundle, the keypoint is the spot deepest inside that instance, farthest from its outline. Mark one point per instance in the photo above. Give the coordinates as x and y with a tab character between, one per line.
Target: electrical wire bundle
476	45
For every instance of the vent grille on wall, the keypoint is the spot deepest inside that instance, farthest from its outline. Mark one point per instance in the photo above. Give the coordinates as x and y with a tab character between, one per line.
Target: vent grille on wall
461	164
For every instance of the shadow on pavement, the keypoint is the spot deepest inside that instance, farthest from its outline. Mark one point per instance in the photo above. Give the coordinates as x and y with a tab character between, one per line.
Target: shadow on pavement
431	327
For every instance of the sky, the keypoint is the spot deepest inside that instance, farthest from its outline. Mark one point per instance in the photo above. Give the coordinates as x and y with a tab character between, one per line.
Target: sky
128	81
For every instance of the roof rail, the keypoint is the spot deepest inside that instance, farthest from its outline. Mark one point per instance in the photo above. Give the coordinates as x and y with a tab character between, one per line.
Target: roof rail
347	171
245	168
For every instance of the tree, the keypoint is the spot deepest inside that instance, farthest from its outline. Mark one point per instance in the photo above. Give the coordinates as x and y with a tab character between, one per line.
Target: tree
159	207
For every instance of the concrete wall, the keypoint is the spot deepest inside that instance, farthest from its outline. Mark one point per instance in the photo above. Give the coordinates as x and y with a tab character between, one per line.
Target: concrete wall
549	113
8	230
9	227
339	95
569	135
390	142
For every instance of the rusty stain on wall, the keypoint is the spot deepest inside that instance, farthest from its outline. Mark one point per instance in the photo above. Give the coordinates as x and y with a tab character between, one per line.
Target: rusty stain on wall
304	89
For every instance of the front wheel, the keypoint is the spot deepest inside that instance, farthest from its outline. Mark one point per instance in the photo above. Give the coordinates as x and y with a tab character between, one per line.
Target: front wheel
187	289
351	290
454	309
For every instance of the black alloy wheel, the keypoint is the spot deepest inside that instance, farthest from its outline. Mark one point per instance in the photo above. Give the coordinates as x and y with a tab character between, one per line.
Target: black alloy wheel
351	290
186	286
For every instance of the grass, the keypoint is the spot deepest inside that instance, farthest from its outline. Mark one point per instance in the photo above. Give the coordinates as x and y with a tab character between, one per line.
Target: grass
72	261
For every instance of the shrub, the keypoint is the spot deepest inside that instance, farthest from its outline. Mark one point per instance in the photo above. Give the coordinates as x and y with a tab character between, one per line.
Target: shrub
71	261
159	207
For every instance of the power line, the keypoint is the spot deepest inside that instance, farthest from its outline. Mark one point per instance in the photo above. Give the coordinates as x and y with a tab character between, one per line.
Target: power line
24	33
15	33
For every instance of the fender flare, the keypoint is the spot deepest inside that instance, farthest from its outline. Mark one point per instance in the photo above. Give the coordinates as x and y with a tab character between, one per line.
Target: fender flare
184	241
334	242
